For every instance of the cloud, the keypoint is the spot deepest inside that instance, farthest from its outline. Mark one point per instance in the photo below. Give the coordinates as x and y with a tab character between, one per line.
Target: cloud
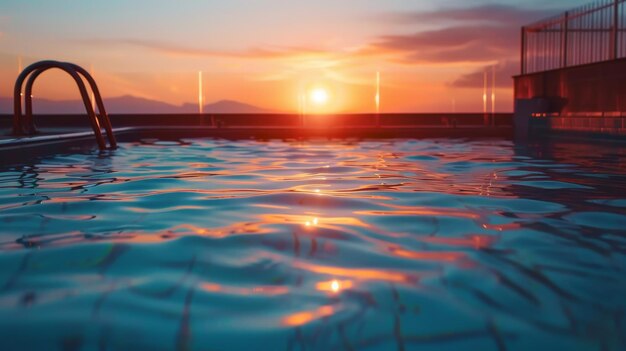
488	13
478	43
485	35
481	34
474	36
504	73
295	61
180	50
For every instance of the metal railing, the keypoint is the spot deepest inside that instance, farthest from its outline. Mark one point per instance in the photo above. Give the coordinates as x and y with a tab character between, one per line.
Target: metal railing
592	33
23	124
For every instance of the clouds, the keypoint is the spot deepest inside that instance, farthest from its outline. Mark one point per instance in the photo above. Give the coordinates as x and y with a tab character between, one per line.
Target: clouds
260	64
480	34
504	73
475	37
267	52
488	13
463	43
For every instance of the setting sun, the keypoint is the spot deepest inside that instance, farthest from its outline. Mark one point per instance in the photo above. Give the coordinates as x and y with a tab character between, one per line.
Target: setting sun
319	96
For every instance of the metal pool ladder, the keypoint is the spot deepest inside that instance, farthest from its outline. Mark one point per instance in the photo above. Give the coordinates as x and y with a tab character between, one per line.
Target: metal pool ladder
24	125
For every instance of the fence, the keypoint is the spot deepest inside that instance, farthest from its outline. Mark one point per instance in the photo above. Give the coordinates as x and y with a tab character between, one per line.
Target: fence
588	34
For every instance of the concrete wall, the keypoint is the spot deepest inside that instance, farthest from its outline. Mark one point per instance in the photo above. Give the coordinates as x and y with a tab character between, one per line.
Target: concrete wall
284	120
592	90
583	100
614	126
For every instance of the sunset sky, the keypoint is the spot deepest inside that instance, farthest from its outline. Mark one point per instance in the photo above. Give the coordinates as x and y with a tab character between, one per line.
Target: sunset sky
430	54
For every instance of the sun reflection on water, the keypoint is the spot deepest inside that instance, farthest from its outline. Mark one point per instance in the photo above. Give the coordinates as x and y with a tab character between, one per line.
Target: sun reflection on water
334	286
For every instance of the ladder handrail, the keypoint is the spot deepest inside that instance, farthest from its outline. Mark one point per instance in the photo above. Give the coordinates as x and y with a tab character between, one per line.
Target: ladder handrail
26	126
102	116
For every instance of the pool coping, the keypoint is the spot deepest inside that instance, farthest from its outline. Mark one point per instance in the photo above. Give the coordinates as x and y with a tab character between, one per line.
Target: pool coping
263	132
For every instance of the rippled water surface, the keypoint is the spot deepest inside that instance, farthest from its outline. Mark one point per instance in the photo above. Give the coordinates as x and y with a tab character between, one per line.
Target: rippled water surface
207	244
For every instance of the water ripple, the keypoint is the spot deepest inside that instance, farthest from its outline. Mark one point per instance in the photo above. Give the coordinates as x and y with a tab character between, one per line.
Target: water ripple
326	245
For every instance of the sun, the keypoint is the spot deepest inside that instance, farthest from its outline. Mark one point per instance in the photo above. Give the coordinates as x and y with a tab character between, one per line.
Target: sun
319	96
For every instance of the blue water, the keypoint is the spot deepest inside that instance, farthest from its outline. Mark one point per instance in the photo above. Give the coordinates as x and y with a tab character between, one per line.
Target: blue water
207	244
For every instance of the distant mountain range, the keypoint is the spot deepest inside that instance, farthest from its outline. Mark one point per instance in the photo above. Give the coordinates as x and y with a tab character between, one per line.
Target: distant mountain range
132	104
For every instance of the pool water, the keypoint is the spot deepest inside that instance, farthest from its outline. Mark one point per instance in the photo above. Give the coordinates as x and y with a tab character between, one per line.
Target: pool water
206	244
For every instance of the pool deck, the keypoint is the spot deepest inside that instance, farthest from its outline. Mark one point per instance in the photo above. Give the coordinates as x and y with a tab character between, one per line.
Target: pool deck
261	126
57	135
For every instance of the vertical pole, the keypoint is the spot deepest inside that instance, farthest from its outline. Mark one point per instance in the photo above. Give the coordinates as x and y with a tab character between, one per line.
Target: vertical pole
200	94
377	98
529	52
587	50
544	57
523	51
493	94
614	32
564	35
304	111
485	117
301	106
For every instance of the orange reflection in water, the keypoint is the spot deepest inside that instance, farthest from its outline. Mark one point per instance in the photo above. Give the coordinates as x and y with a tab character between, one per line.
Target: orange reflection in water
503	227
357	273
61	199
275	207
187	230
141	238
415	211
301	318
446	256
310	221
235	228
267	290
476	241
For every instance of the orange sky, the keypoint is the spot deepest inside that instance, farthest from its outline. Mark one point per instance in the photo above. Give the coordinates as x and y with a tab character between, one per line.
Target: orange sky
430	57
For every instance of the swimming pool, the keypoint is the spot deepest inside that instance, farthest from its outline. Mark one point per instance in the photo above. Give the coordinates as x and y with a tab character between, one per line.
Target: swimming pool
433	244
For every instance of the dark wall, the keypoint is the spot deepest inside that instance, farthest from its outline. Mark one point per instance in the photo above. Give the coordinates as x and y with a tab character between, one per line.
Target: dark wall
598	87
268	120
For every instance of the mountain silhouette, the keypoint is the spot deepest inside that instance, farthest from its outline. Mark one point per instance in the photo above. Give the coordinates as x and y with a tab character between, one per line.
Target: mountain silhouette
132	105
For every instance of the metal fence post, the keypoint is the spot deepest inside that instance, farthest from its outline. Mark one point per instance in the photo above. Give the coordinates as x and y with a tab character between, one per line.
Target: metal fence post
614	45
564	35
523	50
